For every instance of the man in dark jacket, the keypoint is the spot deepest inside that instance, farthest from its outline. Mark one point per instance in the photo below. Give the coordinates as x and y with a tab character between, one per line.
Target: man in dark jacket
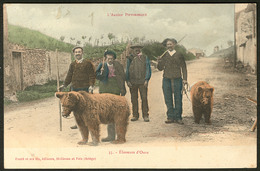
112	80
138	74
111	75
174	76
81	74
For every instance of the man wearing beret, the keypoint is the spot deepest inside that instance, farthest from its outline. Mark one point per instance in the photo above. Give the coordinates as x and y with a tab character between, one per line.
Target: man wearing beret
112	80
138	74
81	74
174	77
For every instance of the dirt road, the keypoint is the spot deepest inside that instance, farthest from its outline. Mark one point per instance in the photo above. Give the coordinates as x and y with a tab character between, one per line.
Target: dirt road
36	124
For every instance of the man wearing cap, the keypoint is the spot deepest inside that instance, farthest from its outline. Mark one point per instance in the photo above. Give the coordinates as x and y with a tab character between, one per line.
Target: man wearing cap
112	80
81	74
174	77
138	74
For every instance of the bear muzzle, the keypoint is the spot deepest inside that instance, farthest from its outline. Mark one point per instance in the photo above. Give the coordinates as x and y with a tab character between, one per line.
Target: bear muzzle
66	112
205	101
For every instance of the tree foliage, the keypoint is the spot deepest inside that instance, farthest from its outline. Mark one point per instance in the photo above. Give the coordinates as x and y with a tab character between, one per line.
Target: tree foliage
155	49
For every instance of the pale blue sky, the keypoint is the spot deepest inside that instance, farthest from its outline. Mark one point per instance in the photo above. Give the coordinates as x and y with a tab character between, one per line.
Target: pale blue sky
206	25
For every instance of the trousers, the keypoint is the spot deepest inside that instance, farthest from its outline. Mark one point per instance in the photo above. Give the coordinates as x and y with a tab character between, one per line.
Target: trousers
172	88
134	99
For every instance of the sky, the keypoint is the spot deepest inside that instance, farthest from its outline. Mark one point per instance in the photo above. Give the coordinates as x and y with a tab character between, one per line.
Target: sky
205	25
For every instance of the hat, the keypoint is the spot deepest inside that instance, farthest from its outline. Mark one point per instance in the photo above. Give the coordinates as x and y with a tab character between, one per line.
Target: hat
110	52
136	45
77	48
169	39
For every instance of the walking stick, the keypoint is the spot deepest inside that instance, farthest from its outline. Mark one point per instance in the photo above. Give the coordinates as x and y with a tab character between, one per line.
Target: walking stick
167	50
255	123
58	85
254	126
162	54
103	63
182	38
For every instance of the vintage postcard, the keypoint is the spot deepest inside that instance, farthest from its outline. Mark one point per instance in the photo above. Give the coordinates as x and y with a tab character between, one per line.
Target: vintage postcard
119	85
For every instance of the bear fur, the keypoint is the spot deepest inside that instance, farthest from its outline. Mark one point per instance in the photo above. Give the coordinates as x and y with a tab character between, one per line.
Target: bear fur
90	110
202	101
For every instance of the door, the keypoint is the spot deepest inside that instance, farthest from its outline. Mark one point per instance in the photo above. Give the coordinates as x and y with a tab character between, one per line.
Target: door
17	64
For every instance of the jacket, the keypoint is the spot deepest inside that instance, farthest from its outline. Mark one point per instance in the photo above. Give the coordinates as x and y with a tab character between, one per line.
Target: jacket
173	66
138	70
119	72
81	75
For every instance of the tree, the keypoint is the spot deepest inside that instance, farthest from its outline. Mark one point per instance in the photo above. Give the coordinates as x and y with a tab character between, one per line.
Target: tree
136	40
142	39
62	38
89	39
110	37
83	39
78	43
72	39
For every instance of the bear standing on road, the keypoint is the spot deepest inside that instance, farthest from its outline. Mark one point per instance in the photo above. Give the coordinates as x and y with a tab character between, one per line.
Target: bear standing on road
202	101
90	110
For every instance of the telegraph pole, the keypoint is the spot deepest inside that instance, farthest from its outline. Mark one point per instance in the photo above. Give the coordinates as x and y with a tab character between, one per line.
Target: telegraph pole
235	42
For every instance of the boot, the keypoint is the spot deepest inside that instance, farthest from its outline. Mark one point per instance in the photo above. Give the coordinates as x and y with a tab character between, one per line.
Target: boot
168	121
146	119
111	133
134	118
74	127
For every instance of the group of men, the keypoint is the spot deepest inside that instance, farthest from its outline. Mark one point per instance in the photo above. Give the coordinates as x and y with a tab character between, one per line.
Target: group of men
112	77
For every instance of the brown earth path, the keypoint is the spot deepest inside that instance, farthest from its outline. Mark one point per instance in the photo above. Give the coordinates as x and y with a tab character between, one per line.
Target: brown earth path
36	124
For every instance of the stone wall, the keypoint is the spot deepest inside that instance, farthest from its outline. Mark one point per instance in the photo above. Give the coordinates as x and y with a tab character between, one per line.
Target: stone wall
64	60
246	37
37	67
10	82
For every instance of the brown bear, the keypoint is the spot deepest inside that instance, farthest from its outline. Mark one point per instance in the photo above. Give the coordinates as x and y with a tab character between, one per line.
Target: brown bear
90	110
202	101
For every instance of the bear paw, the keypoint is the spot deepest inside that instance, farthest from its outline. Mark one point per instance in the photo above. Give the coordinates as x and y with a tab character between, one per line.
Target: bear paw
118	142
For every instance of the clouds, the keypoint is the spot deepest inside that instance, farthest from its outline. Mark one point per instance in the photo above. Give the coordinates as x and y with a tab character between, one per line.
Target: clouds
205	24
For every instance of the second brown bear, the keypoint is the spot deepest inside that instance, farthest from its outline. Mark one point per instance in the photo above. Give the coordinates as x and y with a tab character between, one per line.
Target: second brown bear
202	101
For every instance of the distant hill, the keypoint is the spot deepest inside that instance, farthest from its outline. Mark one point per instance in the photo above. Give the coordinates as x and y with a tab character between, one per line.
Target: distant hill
224	52
35	39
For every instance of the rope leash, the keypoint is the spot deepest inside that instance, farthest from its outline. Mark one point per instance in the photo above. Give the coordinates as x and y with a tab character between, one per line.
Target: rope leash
185	89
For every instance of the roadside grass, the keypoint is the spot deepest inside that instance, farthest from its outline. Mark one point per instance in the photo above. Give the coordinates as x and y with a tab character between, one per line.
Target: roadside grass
7	101
38	92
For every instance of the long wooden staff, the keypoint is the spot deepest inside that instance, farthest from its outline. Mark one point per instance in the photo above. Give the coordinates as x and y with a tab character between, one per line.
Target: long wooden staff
103	63
167	50
58	85
162	54
255	123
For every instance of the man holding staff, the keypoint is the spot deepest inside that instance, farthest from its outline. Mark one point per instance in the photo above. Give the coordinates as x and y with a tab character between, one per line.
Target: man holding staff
174	77
81	74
